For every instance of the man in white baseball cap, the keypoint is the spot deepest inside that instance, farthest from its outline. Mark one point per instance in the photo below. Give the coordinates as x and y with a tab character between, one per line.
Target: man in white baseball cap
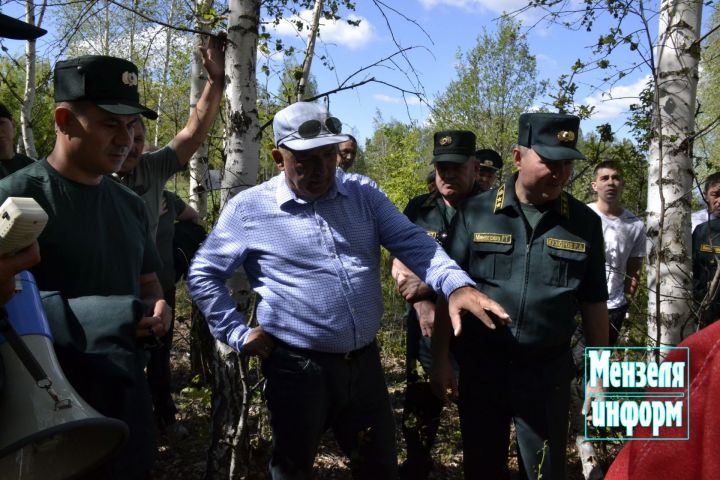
309	240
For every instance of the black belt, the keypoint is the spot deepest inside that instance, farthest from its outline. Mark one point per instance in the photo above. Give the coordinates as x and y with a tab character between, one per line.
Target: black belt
348	356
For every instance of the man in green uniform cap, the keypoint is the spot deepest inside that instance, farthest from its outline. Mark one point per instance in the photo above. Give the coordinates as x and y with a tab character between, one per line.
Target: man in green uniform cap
489	164
97	250
539	253
455	179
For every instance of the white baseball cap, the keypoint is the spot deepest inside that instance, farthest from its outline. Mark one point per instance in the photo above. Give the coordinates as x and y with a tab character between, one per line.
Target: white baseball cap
306	125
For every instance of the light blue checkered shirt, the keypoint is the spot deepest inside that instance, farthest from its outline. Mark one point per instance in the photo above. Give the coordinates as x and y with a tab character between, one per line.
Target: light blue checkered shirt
315	266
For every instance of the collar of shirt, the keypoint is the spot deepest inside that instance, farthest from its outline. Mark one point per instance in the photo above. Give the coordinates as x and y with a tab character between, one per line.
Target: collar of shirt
505	197
284	194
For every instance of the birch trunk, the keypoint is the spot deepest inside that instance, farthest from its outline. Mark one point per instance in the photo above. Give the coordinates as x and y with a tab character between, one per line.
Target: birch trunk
26	128
310	50
670	172
133	29
106	28
166	67
229	453
197	194
242	130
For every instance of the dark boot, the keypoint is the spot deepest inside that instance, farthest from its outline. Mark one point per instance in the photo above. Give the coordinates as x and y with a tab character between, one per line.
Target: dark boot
421	420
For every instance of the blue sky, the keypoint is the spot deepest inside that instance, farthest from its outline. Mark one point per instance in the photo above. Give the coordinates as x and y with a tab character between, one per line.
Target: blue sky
453	24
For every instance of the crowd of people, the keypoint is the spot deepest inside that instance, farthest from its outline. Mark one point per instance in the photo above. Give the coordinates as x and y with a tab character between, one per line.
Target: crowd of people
496	277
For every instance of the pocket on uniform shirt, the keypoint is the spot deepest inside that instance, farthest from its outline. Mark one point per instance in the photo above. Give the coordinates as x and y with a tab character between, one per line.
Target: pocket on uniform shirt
491	261
564	268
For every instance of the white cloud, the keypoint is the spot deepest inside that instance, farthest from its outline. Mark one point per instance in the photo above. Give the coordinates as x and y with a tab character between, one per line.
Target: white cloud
614	103
331	31
529	16
546	59
410	100
496	6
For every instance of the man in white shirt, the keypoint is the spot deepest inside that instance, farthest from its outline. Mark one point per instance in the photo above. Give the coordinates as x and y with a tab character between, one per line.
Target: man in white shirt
625	249
711	194
625	241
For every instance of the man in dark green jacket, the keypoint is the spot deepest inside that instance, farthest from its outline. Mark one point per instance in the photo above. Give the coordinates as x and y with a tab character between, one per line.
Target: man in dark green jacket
706	247
455	179
539	253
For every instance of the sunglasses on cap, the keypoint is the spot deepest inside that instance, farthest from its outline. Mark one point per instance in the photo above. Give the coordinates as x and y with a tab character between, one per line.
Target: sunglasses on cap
313	128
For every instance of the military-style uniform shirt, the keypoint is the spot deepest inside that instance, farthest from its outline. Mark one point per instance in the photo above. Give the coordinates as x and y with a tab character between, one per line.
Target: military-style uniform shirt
538	275
19	161
430	212
96	241
706	251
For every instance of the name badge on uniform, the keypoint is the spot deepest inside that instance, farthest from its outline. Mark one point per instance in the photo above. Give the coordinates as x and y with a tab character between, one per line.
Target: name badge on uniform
504	238
707	248
566	245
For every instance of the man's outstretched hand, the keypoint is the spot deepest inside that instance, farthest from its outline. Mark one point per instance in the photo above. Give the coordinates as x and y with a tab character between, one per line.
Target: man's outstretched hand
469	299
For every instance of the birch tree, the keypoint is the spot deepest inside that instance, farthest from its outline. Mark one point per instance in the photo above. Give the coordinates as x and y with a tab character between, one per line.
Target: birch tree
310	52
229	451
670	174
165	70
198	165
242	141
26	127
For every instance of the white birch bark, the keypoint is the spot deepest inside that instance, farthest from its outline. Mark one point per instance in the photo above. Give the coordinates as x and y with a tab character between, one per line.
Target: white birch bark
133	29
229	451
166	67
26	128
106	28
198	187
242	129
310	50
670	172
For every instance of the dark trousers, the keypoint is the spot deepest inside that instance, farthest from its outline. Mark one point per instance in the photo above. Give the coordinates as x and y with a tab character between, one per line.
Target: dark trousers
158	372
533	394
308	392
421	409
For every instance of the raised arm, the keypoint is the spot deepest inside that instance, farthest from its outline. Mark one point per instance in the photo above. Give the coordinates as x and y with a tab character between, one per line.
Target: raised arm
202	116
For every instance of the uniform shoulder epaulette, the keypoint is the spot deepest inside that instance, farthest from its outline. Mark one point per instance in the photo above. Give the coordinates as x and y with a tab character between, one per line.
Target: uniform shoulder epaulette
499	198
564	205
429	200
